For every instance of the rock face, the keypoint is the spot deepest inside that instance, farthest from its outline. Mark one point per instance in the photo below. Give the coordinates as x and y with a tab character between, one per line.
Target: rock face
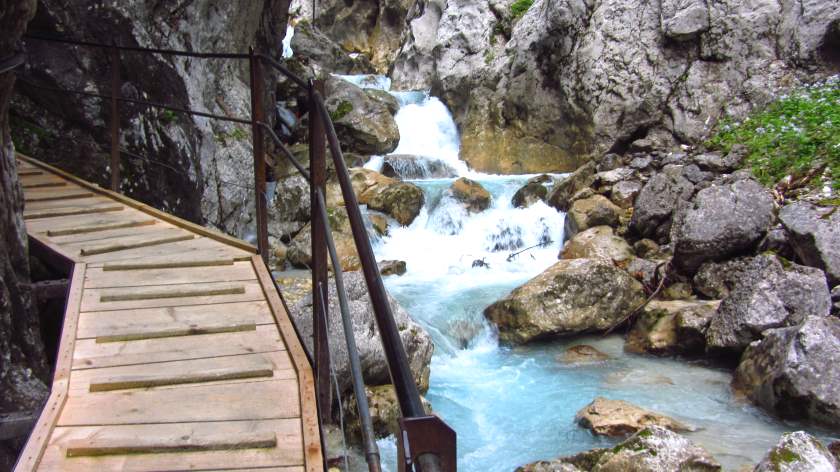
815	235
618	418
23	364
672	327
655	204
768	294
400	200
191	166
793	371
719	222
798	452
556	80
572	296
418	344
471	194
597	243
653	449
363	123
589	212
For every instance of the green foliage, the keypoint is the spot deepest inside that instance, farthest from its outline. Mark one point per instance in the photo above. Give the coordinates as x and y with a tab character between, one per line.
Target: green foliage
792	135
782	456
489	55
167	117
341	110
519	7
237	134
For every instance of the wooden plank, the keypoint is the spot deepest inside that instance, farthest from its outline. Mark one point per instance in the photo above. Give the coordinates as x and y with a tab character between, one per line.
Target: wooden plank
64	203
118	266
67	211
186	443
122	245
273	399
68	194
196	249
99	231
31	455
207	232
170	295
170	332
28	173
121	236
100	278
90	354
75	221
287	452
182	318
43	183
310	426
258	367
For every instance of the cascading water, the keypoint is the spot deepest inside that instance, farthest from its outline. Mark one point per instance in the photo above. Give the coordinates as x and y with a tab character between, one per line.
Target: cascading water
511	406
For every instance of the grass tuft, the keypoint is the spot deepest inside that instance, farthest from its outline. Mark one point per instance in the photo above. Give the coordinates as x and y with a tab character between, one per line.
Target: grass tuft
519	7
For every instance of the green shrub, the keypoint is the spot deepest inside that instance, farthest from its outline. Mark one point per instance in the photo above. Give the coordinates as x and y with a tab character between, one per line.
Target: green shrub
519	7
794	134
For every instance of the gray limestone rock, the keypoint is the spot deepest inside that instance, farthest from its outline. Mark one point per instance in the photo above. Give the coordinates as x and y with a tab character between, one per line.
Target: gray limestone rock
363	123
798	452
657	201
815	236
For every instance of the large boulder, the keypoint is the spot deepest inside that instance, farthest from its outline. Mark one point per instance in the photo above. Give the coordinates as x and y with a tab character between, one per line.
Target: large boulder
624	193
794	372
582	354
364	123
589	212
815	235
653	449
618	418
312	44
720	222
562	192
798	452
656	202
535	190
418	344
384	410
672	327
717	279
408	166
597	243
400	200
770	293
471	194
571	297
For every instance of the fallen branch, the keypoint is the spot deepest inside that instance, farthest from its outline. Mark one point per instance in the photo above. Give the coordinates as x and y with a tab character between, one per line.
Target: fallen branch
647	300
543	244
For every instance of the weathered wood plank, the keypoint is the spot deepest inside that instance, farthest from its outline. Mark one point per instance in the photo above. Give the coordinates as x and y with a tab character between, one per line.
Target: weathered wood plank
123	245
100	278
100	299
195	249
72	210
183	318
38	227
90	354
118	266
76	202
287	451
273	399
100	227
170	332
314	460
144	445
269	365
41	182
65	193
88	233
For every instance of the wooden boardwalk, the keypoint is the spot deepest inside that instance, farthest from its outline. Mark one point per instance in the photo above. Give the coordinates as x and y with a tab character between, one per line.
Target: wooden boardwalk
176	351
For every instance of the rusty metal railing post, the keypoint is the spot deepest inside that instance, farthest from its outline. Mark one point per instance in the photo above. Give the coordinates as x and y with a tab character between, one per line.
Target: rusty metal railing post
115	118
257	117
318	179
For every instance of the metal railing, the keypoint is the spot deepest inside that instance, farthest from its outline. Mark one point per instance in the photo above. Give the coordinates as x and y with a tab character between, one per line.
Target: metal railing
425	442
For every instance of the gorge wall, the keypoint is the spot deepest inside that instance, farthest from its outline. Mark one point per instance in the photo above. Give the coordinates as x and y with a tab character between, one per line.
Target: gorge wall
194	167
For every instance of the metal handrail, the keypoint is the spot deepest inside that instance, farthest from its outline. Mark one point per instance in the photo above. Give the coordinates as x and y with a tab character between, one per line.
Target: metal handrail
12	62
166	52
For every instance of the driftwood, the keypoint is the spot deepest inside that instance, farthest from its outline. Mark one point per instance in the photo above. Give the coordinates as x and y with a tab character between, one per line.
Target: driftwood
514	254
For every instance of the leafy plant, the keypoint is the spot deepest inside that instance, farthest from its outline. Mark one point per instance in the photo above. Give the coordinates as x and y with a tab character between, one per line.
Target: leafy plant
341	110
793	135
167	117
519	7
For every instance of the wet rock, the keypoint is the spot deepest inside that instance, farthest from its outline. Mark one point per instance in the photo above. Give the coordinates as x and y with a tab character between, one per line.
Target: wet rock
418	343
770	293
400	200
464	331
616	418
561	194
363	124
798	452
719	222
392	267
379	222
571	297
582	462
655	204
406	166
793	371
582	354
384	411
815	236
597	243
624	193
590	212
471	194
657	449
672	327
532	192
834	447
717	279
